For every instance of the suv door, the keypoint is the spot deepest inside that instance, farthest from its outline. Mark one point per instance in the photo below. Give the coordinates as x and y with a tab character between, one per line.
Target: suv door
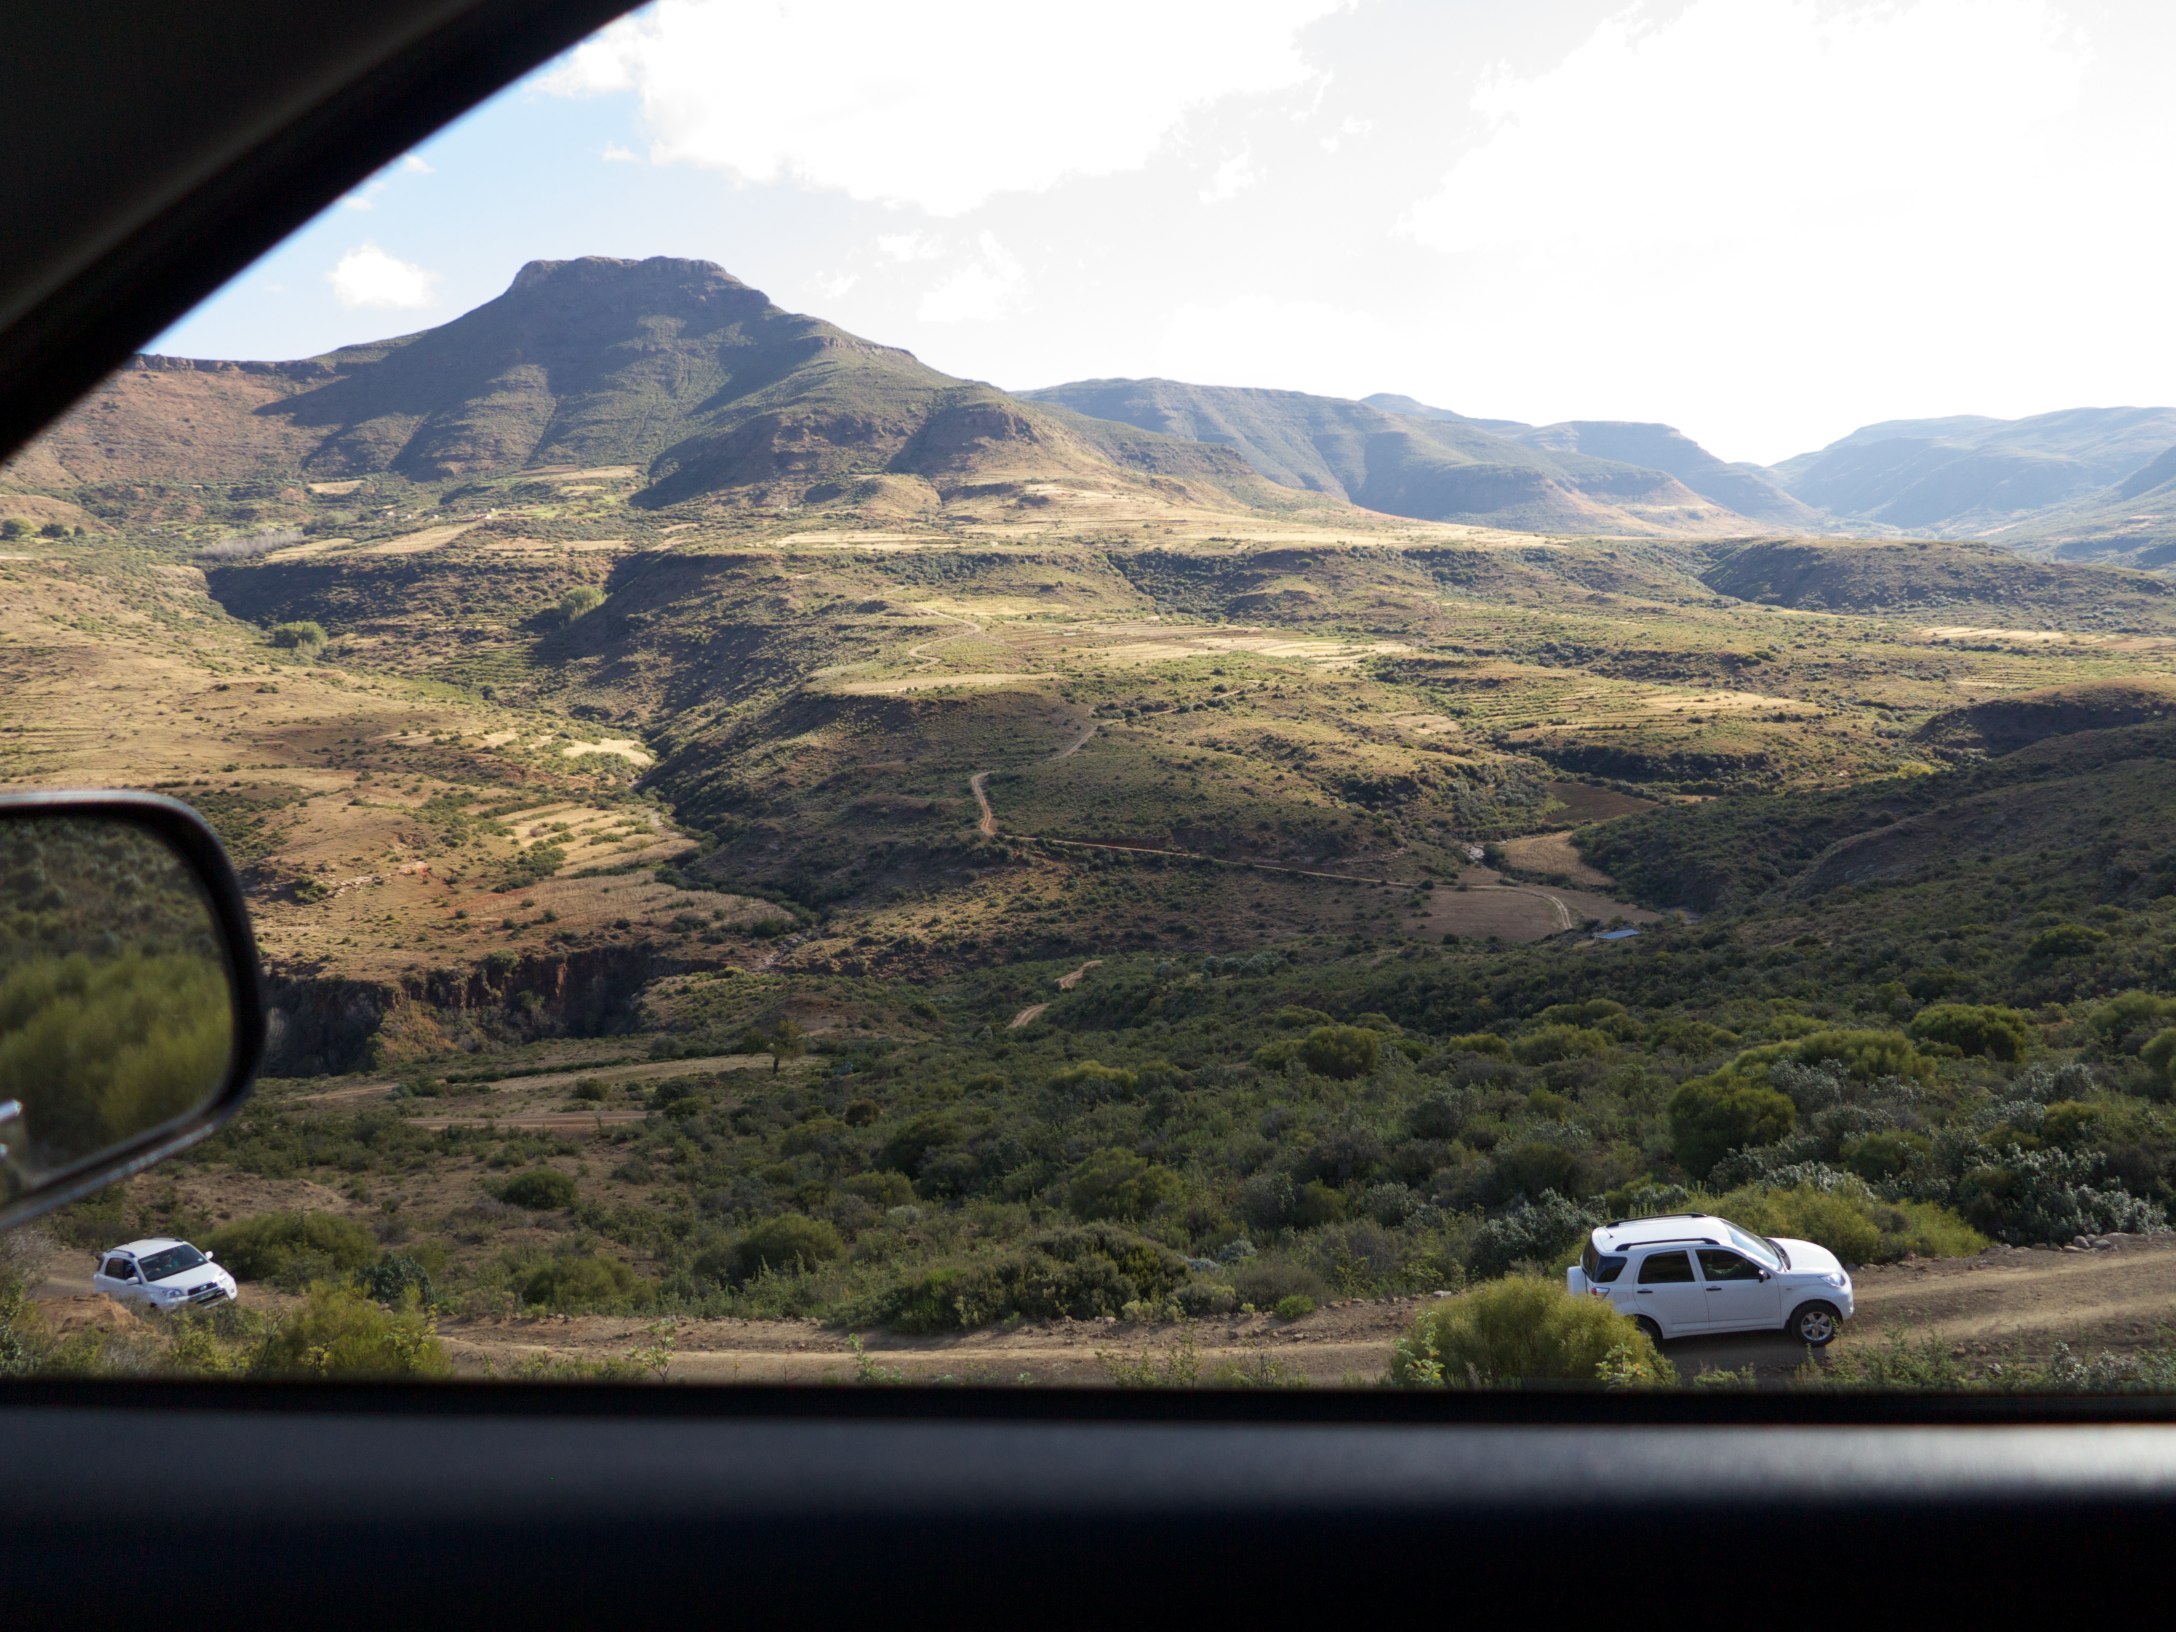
117	1277
1668	1293
1740	1294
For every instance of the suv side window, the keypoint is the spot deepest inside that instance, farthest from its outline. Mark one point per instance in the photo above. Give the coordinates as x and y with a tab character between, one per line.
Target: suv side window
1727	1266
1666	1269
120	1269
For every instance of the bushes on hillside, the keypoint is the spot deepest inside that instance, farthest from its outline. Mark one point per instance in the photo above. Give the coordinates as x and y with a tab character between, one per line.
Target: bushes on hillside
1339	1052
1712	1116
1523	1331
1117	1184
2050	1194
340	1332
784	1245
291	1250
1083	1271
1985	1029
584	1284
305	636
541	1189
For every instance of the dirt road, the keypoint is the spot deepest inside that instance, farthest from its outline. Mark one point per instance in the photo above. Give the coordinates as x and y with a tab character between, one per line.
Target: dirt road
2000	1302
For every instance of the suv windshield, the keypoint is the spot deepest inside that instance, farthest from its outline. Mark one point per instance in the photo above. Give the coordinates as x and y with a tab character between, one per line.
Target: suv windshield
1757	1247
1163	702
170	1262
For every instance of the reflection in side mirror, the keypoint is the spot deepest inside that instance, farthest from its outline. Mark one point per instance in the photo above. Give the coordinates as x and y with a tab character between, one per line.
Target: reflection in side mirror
130	1017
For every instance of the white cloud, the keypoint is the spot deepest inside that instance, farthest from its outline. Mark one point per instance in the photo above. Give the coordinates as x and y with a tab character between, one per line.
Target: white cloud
1231	178
356	201
909	246
1759	215
417	165
367	276
615	153
1283	344
1004	97
988	288
832	286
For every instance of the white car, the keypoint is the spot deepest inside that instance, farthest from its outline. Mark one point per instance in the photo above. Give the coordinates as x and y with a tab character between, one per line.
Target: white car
162	1273
1690	1274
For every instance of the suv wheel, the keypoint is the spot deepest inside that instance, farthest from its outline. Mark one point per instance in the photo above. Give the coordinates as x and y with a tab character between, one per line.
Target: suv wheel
1814	1324
1652	1331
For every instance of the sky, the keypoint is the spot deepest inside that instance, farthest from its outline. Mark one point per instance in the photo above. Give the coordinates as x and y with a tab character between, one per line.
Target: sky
1766	222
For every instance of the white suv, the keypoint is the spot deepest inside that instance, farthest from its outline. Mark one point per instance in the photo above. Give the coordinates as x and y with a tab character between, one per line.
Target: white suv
1690	1274
161	1273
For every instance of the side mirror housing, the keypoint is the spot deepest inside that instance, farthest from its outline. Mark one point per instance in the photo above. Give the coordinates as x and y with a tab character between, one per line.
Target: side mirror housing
131	1008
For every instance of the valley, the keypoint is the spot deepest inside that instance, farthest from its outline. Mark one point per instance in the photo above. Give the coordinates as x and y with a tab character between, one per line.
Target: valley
744	827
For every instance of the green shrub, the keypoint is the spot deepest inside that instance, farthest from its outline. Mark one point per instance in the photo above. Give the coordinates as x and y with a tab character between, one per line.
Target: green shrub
1560	1042
341	1333
1478	1042
1291	1017
584	1285
580	601
1712	1116
1884	1155
1267	1282
1117	1184
2062	941
1985	1029
1293	1307
1316	1204
784	1245
304	636
291	1250
592	1091
910	1149
1340	1052
1083	1271
1521	1331
396	1278
541	1189
2160	1054
1093	1083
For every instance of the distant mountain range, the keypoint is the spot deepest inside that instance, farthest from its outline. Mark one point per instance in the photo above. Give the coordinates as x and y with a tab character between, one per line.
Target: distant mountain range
1407	459
714	394
2082	483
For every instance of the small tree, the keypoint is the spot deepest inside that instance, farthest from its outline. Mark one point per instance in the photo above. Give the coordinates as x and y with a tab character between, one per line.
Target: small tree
581	600
787	1043
13	527
306	637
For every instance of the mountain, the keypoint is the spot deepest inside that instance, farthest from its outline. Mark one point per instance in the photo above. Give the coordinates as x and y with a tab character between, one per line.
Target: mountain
1966	476
1746	489
671	366
2132	522
1431	466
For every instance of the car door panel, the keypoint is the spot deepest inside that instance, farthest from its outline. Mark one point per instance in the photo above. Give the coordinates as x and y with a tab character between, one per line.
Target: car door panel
1668	1292
1739	1294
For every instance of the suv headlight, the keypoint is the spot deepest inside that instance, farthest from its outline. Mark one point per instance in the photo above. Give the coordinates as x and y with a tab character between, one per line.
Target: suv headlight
1837	1278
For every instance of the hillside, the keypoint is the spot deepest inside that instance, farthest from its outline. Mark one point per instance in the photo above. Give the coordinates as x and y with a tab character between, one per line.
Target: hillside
1968	475
2003	725
2133	522
1433	467
670	366
1745	489
1962	585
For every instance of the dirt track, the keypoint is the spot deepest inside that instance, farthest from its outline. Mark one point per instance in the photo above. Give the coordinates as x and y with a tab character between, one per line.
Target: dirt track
2001	1301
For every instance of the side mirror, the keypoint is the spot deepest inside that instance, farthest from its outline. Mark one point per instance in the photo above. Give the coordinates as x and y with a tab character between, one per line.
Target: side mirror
131	1012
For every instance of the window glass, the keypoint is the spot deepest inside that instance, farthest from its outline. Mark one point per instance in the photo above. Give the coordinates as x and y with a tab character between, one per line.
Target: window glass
1726	1266
1665	1268
959	698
